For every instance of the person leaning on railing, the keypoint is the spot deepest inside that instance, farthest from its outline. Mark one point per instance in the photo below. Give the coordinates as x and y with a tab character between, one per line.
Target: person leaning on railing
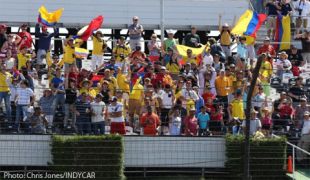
304	141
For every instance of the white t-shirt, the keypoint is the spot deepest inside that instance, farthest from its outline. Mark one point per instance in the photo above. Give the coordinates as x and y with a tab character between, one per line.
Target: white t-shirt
306	127
305	6
280	64
166	100
98	109
117	108
24	95
190	94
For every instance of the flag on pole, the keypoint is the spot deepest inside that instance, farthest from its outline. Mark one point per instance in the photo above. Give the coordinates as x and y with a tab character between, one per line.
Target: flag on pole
49	18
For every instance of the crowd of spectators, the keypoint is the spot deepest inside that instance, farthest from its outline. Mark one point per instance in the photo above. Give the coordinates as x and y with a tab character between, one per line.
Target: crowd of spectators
154	93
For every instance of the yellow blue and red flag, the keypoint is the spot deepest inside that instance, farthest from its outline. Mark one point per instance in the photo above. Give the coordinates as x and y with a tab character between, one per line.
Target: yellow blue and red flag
49	18
80	52
283	32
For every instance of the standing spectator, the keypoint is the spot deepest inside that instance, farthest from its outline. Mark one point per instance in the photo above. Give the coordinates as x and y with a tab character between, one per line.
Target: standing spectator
46	106
69	56
192	39
150	122
190	123
170	42
43	44
57	86
37	121
295	55
5	81
236	109
115	114
83	113
282	64
135	33
167	101
302	9
98	115
217	64
300	110
10	47
305	42
267	48
154	48
26	36
255	124
271	5
71	97
99	46
121	51
3	37
286	112
225	37
304	141
217	49
266	120
285	7
259	100
24	98
175	122
242	50
297	91
222	88
136	97
203	120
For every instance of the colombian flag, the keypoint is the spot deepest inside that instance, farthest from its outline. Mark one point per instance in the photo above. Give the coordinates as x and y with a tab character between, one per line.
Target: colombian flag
249	23
49	18
283	32
80	52
87	31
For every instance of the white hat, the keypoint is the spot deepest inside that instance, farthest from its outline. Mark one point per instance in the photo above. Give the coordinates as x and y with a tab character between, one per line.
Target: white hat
171	31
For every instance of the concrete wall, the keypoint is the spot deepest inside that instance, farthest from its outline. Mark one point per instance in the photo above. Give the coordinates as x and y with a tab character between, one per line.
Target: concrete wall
209	152
180	14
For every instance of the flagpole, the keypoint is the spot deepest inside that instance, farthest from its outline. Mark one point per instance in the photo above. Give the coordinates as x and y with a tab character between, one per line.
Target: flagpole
162	21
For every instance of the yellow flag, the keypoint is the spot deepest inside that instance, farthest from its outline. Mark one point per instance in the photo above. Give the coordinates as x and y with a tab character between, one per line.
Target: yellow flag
49	18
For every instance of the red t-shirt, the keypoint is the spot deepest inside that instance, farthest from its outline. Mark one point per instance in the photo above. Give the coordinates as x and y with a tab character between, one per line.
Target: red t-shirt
216	116
286	110
206	96
149	123
191	126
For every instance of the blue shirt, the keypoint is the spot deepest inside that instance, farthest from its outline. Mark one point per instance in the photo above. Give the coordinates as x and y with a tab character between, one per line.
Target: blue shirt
203	120
242	51
200	102
56	82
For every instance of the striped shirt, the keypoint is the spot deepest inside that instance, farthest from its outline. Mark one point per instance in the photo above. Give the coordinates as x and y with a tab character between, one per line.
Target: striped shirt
23	96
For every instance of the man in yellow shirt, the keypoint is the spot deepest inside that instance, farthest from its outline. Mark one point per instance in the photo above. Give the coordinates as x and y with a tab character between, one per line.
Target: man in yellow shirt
99	46
121	51
108	76
23	57
225	36
69	56
222	85
123	82
236	109
136	97
190	58
5	81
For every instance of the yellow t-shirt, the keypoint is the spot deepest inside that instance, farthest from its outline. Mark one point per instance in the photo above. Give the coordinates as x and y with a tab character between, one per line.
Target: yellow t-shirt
190	60
225	39
118	50
121	81
237	109
97	46
69	56
91	92
22	59
222	86
137	91
173	68
4	78
266	69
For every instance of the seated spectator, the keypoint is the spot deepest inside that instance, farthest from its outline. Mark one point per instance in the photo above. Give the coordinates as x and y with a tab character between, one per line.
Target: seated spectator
170	42
255	123
304	141
203	121
83	115
115	115
150	122
191	123
192	39
38	121
98	115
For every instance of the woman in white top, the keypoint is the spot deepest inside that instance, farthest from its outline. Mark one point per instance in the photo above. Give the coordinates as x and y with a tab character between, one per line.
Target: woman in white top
98	115
175	122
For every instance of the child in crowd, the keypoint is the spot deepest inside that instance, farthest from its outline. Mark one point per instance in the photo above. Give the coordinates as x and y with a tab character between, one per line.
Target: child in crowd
203	119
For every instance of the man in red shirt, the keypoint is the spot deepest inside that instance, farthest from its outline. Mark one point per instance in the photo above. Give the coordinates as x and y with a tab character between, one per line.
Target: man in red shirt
26	36
149	121
267	48
191	123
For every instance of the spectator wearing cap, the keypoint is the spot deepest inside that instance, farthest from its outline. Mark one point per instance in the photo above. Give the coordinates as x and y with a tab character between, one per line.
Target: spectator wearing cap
105	92
46	105
24	98
44	42
192	39
304	141
305	42
99	46
137	55
283	64
108	76
121	51
37	121
150	121
225	36
98	114
154	48
295	55
242	50
135	33
5	81
255	123
71	98
191	123
83	115
115	115
3	37
86	86
301	108
170	42
266	48
297	91
277	102
266	120
25	35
